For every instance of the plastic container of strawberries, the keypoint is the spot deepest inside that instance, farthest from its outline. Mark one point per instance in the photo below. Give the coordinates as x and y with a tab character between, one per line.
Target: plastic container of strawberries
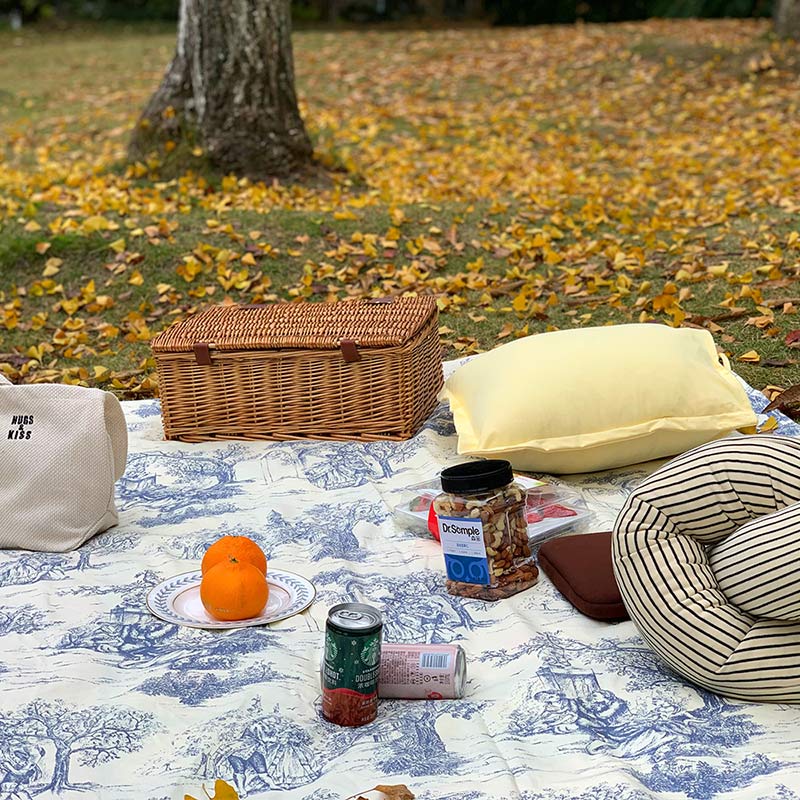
550	509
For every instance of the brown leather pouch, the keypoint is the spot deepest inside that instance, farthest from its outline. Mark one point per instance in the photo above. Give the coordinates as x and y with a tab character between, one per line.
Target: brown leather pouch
580	568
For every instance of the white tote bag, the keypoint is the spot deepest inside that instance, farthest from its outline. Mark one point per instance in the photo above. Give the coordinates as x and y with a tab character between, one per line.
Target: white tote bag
62	448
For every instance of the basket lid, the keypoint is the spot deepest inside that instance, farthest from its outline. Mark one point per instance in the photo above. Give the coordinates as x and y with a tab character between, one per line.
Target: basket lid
383	322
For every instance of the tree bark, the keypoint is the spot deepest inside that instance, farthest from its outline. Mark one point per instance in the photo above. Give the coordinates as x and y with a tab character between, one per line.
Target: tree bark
787	18
433	8
473	9
230	90
61	768
329	10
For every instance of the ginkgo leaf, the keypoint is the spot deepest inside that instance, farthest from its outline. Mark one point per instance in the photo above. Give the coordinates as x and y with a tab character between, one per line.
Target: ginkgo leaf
520	302
506	330
222	791
750	357
771	392
769	424
390	792
52	267
398	792
96	223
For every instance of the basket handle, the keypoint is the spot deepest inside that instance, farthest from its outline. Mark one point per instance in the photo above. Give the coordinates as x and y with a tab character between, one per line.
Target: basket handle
349	350
202	354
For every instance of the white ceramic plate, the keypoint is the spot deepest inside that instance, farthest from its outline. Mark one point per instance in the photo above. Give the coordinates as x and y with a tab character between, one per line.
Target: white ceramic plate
177	600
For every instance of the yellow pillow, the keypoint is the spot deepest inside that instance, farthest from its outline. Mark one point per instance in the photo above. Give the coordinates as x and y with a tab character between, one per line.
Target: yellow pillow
596	398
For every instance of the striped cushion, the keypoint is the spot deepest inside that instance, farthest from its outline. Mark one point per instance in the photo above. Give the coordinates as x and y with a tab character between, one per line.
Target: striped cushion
705	554
758	566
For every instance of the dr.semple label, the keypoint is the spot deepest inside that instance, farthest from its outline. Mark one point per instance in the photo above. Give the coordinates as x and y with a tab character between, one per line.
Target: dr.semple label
464	550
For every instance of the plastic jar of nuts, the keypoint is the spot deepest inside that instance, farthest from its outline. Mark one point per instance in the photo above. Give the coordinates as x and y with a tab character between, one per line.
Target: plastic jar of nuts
484	534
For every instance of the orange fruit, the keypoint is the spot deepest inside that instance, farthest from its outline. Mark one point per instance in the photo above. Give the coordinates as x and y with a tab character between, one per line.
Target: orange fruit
233	590
242	548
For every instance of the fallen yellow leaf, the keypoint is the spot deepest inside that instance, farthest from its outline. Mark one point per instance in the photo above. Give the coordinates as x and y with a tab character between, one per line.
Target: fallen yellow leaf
520	302
506	330
222	791
52	267
397	216
97	223
750	357
769	425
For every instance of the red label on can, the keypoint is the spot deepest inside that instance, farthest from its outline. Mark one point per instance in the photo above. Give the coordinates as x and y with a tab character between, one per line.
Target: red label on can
350	677
346	707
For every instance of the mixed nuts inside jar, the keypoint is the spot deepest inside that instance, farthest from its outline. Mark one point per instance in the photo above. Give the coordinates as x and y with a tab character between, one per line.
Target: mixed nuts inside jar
483	530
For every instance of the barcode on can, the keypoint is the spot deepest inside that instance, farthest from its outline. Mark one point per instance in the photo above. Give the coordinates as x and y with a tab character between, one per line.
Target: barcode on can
434	660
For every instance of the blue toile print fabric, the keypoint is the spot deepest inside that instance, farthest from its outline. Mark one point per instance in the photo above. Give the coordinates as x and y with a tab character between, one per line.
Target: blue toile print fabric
102	700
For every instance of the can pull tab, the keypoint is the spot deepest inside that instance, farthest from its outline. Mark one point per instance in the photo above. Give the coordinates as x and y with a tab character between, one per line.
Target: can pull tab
353	615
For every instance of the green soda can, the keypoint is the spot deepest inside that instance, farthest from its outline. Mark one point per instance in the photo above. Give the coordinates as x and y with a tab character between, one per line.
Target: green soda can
352	664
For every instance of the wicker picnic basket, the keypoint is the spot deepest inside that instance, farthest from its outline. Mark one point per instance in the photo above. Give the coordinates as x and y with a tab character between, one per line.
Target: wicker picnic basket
360	369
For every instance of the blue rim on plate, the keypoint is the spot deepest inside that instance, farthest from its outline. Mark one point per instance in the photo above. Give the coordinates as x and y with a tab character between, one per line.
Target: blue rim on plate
296	595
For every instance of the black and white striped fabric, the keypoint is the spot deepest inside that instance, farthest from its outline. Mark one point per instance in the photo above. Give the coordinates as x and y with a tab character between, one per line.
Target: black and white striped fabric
707	557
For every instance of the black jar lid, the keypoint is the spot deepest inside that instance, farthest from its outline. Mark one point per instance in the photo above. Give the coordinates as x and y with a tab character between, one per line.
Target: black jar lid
476	476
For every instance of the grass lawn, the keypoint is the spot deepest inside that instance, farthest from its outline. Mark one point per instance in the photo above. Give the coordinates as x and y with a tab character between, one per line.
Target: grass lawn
533	179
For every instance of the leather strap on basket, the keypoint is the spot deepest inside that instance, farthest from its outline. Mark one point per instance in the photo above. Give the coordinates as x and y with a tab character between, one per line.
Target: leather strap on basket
202	354
349	350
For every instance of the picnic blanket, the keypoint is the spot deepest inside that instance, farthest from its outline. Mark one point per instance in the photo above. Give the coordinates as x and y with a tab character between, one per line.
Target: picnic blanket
100	699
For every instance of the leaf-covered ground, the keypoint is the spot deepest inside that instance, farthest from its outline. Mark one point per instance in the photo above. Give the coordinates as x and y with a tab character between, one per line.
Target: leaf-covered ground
532	179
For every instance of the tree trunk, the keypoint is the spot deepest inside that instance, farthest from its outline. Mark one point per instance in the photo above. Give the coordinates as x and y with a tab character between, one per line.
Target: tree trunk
787	18
61	769
229	90
329	10
434	9
473	9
